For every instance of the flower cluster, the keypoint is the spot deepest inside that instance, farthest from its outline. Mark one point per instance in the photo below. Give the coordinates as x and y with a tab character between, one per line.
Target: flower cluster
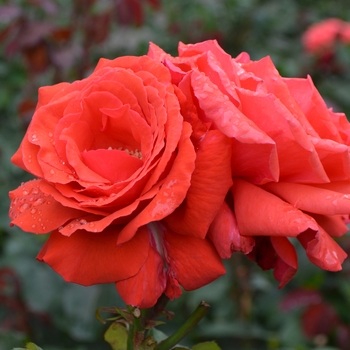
153	169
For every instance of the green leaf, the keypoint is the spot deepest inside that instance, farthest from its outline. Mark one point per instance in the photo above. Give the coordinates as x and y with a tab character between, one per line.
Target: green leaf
32	346
211	345
29	346
116	336
158	335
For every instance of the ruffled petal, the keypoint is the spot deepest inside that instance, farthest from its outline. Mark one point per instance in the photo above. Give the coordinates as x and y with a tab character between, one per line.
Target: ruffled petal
173	190
297	157
322	250
254	152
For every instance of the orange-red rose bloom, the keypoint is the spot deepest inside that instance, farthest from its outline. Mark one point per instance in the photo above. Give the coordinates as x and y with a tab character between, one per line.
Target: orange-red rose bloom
290	157
125	191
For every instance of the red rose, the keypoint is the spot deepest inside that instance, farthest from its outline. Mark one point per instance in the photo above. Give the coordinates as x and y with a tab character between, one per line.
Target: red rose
321	37
290	157
114	160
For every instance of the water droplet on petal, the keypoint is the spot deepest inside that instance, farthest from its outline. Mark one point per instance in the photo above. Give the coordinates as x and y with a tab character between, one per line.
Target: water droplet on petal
39	201
82	222
35	190
52	171
23	207
33	226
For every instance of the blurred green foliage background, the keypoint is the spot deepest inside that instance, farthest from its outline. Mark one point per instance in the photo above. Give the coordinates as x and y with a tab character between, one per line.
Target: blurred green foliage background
43	42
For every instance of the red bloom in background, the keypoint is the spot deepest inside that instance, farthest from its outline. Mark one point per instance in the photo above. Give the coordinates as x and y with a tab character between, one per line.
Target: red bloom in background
321	37
290	156
345	33
114	159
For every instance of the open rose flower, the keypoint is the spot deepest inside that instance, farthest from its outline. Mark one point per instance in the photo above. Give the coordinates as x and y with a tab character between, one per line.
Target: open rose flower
114	160
290	156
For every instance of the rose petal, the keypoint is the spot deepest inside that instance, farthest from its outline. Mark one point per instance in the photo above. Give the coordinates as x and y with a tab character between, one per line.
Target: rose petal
144	289
287	264
260	213
322	250
113	165
210	182
335	158
274	84
34	211
173	190
297	157
335	225
224	234
90	258
254	153
193	261
311	199
314	107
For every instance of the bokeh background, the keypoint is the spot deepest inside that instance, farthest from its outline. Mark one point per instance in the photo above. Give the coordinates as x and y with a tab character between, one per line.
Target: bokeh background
43	42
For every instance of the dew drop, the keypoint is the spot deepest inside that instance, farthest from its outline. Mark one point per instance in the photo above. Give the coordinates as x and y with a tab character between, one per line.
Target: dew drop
33	226
38	202
82	222
25	193
23	207
52	171
35	190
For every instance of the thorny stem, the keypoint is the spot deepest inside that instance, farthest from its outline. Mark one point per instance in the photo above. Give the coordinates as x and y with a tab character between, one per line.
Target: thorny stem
192	321
135	328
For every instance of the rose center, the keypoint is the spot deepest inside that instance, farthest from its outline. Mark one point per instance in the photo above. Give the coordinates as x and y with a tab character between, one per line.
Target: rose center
136	153
113	164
